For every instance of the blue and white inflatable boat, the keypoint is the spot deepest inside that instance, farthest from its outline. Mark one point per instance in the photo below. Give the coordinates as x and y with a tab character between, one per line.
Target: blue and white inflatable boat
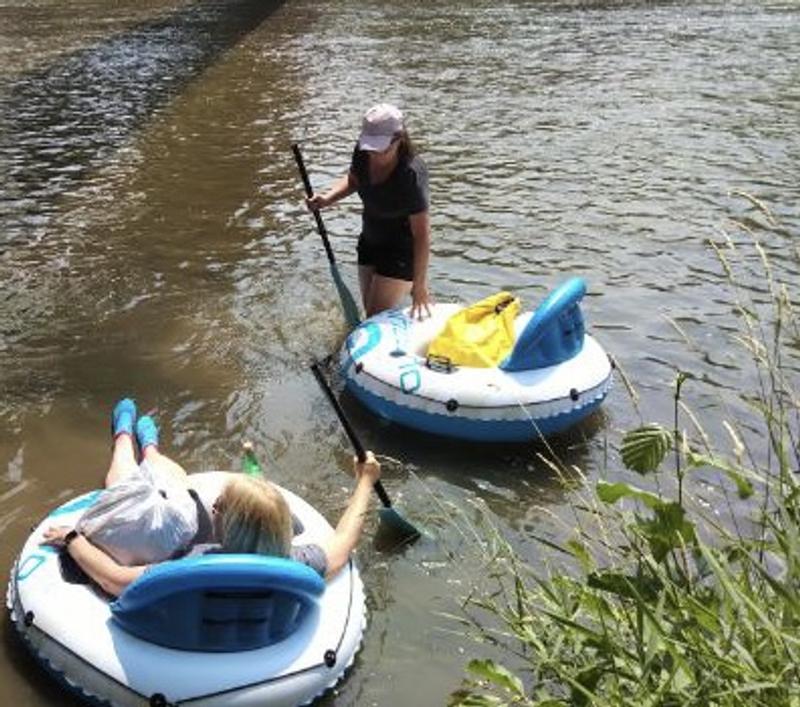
554	377
202	631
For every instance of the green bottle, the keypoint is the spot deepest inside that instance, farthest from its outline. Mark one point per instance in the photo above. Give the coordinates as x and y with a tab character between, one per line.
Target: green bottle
250	465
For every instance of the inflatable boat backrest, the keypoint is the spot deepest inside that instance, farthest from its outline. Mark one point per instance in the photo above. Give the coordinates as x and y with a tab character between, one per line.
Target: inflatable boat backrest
554	333
219	603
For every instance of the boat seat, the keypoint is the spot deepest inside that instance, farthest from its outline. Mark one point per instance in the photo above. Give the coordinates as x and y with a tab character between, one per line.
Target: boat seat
219	602
554	333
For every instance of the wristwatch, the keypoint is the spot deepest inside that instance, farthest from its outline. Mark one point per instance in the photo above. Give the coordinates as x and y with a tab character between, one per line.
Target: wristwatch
69	537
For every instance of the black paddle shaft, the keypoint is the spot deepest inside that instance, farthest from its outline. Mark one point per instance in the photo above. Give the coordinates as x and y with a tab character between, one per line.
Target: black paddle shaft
348	428
298	157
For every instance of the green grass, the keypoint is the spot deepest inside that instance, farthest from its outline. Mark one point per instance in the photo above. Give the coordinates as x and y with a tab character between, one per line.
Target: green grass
653	600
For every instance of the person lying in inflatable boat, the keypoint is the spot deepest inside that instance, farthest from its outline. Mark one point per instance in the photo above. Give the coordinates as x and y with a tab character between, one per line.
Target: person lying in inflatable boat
150	513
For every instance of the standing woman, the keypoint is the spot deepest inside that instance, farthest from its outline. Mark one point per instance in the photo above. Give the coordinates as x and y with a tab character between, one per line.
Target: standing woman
392	181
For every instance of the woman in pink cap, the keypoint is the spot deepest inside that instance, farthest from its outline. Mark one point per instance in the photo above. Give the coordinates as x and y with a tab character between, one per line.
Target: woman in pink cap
392	181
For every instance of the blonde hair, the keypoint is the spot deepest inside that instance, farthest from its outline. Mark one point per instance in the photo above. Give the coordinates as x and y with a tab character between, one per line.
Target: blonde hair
255	517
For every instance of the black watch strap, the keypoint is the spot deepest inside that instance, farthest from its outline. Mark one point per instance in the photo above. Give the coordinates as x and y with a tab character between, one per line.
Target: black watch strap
70	536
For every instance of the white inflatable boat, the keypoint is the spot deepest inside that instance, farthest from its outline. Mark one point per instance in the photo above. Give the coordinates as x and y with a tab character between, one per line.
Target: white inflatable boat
210	630
555	375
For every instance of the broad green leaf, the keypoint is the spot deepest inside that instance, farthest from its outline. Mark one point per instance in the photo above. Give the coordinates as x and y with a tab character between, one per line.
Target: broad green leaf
611	493
644	448
496	674
681	678
669	530
466	698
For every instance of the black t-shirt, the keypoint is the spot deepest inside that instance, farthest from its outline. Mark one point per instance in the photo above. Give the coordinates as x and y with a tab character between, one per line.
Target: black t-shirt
388	205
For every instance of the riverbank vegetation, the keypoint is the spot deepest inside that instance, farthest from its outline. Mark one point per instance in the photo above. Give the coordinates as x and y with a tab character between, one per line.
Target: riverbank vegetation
655	599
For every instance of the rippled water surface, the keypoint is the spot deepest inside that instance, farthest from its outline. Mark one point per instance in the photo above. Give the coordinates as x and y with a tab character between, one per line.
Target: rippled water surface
153	242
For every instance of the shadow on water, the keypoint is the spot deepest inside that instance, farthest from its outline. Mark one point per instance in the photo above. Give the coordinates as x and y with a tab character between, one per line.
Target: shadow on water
510	478
56	124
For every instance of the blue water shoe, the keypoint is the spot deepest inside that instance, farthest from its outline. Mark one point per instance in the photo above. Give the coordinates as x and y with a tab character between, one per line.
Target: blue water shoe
146	432
123	417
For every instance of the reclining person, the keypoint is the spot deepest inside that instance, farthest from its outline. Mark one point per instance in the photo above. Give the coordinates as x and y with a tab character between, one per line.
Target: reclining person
160	516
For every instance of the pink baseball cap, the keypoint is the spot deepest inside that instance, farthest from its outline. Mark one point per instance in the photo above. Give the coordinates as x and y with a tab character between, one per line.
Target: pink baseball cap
381	123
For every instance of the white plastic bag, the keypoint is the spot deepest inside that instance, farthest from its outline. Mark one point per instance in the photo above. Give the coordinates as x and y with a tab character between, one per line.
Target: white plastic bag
146	517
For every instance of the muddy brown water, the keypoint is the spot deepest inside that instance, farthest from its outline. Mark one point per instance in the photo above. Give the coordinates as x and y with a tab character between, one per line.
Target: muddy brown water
153	243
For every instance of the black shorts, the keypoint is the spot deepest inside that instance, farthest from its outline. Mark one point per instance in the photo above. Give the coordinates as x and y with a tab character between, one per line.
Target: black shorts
390	262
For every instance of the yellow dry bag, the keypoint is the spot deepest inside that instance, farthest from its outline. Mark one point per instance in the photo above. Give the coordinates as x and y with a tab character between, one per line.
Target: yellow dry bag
480	335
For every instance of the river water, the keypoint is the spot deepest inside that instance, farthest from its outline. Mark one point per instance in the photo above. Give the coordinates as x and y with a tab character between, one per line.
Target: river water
153	242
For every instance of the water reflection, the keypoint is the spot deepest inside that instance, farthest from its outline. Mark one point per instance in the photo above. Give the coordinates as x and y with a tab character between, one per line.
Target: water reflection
82	252
59	123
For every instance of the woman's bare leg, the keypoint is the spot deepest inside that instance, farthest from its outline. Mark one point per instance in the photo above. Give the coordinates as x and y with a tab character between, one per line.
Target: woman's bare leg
365	275
147	436
160	461
123	453
123	459
385	293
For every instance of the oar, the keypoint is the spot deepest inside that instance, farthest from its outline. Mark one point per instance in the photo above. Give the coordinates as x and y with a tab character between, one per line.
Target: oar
393	520
345	297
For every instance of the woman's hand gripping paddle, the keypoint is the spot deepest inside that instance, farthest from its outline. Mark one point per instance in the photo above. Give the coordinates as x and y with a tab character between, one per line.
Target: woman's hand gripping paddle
390	517
345	297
